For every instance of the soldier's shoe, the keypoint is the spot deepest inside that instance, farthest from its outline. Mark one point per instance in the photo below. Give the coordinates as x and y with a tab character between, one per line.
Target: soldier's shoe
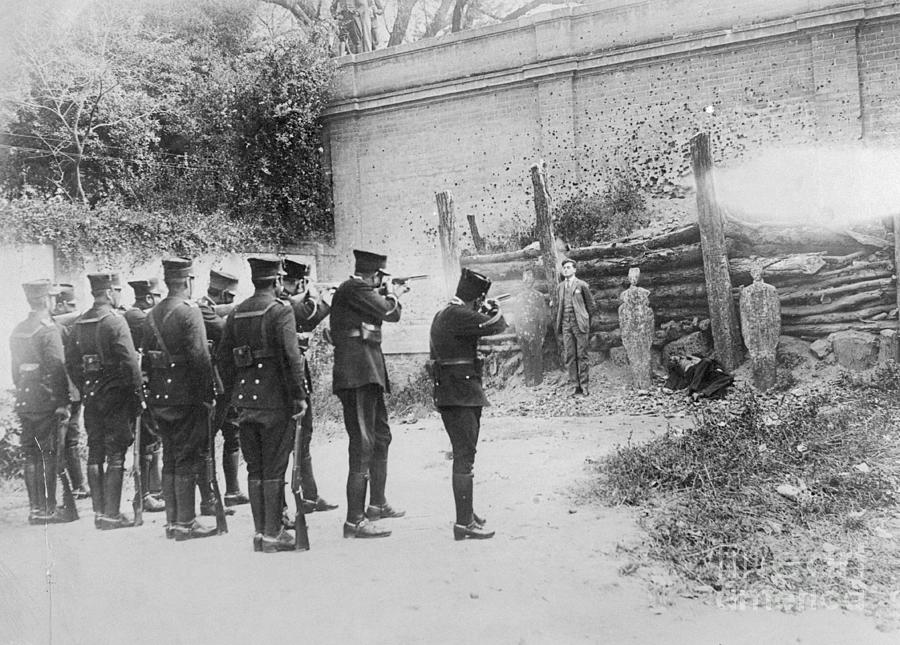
63	515
385	511
317	505
38	517
236	499
153	504
170	531
120	521
473	531
481	521
257	542
193	530
81	493
364	529
208	509
97	517
281	542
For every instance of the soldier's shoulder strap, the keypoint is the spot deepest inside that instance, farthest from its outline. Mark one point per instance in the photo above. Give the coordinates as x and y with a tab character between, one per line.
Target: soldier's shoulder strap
258	312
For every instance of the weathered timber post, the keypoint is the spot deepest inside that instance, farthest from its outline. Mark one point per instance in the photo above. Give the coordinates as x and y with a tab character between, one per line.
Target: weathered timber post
545	230
726	339
897	275
477	240
447	235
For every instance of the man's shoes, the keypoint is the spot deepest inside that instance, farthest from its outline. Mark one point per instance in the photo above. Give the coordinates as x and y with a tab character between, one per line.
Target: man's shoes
474	531
170	531
193	530
153	504
120	521
585	391
576	391
39	517
281	542
81	493
480	521
63	515
257	542
236	499
317	505
364	529
385	511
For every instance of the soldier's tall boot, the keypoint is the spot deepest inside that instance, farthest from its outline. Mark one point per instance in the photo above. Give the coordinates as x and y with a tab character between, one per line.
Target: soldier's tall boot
233	494
55	514
154	476
356	525
311	500
466	526
35	488
207	496
76	475
114	477
187	527
152	504
257	508
96	479
168	493
275	538
378	508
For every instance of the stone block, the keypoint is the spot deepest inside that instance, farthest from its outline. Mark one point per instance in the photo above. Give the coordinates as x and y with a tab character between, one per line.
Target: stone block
821	348
887	347
855	350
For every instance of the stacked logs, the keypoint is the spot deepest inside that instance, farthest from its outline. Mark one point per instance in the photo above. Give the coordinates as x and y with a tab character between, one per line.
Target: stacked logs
827	280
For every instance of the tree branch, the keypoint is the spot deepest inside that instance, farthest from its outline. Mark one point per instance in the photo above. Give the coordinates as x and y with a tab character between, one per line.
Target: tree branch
297	10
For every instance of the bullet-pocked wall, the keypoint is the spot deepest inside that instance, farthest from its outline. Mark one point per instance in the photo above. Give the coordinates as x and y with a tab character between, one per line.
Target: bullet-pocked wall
613	86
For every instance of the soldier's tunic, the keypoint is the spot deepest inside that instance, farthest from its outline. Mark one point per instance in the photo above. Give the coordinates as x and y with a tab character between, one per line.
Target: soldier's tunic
458	391
215	326
39	375
102	361
262	370
177	359
136	318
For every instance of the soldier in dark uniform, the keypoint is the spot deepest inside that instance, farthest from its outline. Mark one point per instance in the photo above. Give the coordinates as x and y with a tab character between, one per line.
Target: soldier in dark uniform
221	291
146	296
42	400
262	371
458	393
64	316
358	308
102	361
309	310
180	394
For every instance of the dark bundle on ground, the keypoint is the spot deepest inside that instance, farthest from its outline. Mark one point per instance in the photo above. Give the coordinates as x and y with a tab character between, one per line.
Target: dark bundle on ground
793	495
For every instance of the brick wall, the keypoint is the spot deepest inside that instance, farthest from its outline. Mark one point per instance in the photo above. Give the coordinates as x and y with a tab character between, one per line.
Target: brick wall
613	86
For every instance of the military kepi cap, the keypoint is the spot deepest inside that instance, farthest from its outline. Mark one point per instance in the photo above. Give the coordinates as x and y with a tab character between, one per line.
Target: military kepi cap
39	289
295	270
144	288
102	281
66	292
222	282
368	262
174	268
472	285
265	267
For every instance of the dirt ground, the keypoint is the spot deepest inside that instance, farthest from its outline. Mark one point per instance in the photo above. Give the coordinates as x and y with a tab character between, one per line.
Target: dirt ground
551	575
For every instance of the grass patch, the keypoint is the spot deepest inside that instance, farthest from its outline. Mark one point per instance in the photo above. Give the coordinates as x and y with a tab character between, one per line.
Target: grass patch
714	513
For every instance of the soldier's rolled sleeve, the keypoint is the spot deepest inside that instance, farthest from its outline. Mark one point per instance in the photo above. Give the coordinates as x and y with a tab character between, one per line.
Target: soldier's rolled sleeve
372	303
124	353
475	323
286	332
194	330
322	311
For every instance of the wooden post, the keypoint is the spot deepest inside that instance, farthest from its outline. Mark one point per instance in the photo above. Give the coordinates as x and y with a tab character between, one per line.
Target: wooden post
897	275
447	234
545	229
726	338
477	240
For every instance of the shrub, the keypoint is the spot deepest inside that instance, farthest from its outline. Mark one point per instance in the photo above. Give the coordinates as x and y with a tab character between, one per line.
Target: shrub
589	218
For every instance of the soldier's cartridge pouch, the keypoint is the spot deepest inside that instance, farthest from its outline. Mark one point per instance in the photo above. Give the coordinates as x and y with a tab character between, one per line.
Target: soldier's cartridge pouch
243	356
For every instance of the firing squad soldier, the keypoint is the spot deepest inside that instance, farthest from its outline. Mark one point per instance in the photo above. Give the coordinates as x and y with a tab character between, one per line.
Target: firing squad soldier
42	400
64	315
262	372
309	310
102	361
458	392
221	291
147	296
358	308
180	395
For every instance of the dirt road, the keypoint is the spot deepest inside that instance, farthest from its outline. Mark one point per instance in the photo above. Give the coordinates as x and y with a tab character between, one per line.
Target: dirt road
550	576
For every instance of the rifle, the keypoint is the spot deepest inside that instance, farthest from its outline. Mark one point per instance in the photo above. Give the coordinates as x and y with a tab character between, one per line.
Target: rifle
301	532
407	278
221	522
68	497
502	297
138	502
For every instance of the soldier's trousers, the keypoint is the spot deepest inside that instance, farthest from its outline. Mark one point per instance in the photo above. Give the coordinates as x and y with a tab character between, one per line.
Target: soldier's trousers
150	439
110	430
183	429
73	431
39	432
463	425
267	437
575	344
366	422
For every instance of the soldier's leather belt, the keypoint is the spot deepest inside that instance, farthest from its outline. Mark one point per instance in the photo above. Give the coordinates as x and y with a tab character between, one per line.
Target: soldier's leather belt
455	361
368	332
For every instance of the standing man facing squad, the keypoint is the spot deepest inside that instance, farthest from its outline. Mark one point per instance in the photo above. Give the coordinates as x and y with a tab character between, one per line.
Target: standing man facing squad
309	310
146	296
458	391
221	291
102	361
358	308
180	395
573	320
42	400
64	316
262	373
